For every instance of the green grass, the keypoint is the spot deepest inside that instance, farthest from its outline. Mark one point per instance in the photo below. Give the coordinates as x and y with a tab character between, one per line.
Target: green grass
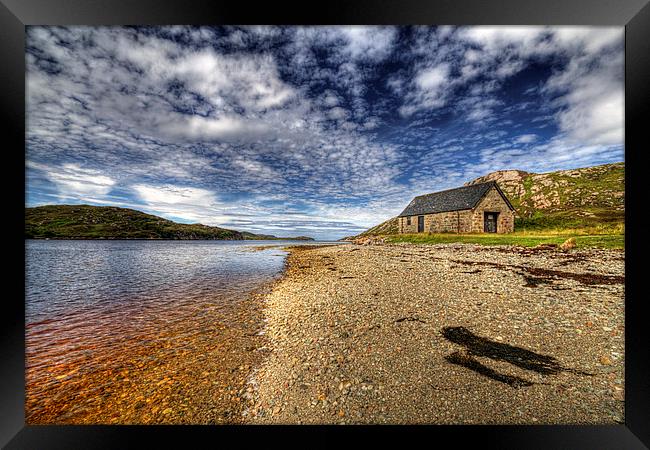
525	239
597	220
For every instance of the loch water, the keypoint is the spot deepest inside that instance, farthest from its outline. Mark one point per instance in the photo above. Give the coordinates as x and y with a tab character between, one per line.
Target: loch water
106	320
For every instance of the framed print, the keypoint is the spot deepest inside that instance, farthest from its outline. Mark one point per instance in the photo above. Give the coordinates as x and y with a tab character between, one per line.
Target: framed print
381	219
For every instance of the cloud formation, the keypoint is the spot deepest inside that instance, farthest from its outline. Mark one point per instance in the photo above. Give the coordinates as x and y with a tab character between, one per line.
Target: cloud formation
309	130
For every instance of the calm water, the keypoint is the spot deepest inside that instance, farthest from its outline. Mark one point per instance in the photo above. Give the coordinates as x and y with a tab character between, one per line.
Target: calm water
101	312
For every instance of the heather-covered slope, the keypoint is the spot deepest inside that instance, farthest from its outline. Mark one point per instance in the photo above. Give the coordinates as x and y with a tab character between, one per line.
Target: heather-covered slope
586	197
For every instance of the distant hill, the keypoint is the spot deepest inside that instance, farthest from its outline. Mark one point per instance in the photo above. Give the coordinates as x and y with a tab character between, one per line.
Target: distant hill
579	198
110	222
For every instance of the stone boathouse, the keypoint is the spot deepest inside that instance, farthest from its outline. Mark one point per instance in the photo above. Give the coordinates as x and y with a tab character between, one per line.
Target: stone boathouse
477	208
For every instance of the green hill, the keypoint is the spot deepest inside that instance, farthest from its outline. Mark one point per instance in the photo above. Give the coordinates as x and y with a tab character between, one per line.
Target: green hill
110	222
591	199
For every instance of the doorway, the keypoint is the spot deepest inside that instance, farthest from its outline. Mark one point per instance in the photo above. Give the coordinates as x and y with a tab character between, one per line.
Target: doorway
420	224
490	222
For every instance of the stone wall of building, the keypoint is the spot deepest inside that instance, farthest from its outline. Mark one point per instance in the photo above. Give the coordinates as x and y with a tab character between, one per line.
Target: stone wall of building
493	202
404	227
448	222
445	222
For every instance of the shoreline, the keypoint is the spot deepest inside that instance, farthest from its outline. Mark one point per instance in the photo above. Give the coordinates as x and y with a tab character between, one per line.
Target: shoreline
442	334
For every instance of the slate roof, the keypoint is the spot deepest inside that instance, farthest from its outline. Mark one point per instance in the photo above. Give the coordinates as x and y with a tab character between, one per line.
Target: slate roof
466	197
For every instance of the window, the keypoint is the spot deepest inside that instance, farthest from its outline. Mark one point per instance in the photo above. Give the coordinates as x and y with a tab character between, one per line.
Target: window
408	220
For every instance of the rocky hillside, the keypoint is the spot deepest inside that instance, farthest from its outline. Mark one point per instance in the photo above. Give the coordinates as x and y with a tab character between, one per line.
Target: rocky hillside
590	196
109	222
578	198
388	227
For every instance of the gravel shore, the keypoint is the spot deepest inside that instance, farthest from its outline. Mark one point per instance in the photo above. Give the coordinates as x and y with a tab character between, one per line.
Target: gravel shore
442	334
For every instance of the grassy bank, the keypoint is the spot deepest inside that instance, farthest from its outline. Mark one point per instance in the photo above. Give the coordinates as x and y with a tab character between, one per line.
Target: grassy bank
598	220
584	238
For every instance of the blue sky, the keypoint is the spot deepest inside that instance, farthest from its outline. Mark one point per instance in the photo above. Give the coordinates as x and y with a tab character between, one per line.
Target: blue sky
319	131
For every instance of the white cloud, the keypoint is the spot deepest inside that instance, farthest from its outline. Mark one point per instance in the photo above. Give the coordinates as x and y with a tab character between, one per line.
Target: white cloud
430	88
366	216
479	114
433	78
526	138
494	39
371	123
592	39
337	113
258	169
593	115
174	195
74	181
592	99
330	99
246	80
216	128
189	203
368	42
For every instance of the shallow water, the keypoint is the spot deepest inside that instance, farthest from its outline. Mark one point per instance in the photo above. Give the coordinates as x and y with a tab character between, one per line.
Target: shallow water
106	321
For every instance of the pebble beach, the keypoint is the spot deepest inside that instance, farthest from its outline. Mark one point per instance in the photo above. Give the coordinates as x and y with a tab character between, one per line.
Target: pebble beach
442	334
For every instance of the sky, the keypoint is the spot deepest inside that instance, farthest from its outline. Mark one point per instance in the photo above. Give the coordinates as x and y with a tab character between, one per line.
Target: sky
317	131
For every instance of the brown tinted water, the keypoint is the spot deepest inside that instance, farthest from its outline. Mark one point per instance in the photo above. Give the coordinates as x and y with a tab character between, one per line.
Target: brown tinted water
143	331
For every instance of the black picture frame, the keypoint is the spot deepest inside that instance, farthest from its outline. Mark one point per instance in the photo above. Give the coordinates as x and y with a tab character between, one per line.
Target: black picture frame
16	14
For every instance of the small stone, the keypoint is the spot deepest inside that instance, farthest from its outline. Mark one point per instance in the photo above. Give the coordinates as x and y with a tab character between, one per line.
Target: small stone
619	394
341	413
605	360
568	244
